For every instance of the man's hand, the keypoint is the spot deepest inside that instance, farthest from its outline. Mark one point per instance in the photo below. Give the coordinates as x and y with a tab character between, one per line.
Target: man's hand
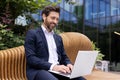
70	66
61	68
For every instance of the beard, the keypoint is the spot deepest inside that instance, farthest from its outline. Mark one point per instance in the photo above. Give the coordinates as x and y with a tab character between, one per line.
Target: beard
49	25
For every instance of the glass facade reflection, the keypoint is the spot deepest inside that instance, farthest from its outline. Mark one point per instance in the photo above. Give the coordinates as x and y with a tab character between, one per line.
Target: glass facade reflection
102	16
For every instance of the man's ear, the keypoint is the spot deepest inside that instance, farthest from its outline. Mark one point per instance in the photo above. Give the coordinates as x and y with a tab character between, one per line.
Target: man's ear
44	16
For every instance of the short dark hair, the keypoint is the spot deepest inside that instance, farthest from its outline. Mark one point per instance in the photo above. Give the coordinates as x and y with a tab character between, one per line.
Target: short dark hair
48	9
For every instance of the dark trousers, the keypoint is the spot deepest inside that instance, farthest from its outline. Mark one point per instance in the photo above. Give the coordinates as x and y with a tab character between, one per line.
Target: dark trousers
45	75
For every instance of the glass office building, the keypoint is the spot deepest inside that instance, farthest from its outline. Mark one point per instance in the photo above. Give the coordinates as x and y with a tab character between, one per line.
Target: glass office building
97	19
103	18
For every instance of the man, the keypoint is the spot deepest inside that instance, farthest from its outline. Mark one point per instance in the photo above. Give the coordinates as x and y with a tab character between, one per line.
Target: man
44	49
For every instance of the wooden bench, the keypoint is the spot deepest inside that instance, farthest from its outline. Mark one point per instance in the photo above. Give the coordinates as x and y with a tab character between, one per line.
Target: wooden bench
13	61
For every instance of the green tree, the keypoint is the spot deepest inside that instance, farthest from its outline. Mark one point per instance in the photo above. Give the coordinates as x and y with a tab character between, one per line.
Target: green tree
10	9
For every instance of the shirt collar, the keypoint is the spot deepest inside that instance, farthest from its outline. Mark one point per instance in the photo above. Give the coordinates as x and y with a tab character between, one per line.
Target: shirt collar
45	30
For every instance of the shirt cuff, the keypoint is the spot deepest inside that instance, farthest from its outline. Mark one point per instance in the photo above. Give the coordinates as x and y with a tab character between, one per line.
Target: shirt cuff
51	67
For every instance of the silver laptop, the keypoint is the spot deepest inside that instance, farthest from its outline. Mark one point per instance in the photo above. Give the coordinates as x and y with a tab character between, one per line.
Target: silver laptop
84	64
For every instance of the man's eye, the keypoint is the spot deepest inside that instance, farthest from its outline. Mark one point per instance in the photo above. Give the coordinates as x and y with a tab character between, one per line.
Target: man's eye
54	18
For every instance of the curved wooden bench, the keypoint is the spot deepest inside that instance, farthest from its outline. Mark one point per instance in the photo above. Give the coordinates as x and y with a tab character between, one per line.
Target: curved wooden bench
13	64
73	42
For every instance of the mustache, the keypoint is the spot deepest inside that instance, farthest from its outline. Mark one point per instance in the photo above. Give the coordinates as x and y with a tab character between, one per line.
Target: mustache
53	23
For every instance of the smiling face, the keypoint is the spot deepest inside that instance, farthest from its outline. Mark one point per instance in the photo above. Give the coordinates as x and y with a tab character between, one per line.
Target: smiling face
51	20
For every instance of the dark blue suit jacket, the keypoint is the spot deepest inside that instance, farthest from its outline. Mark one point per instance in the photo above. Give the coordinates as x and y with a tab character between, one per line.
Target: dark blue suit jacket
37	54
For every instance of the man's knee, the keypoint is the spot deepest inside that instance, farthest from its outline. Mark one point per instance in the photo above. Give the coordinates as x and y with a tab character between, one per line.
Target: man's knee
44	75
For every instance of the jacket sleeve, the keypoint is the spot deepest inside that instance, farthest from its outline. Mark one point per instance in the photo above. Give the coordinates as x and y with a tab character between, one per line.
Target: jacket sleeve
32	59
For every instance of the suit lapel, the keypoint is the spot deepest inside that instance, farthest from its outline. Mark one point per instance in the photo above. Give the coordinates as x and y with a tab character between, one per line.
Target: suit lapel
42	35
57	45
57	42
55	38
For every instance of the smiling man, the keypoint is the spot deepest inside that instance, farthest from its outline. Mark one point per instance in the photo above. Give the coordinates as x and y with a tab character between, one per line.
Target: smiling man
45	51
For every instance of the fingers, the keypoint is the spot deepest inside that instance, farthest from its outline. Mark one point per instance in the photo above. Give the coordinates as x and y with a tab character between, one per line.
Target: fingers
65	69
61	68
70	66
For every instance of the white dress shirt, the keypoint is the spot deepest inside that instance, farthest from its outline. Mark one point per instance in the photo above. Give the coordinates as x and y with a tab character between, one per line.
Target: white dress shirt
53	56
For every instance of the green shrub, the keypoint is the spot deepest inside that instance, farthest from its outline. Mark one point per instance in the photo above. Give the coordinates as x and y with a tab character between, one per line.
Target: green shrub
8	39
100	55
